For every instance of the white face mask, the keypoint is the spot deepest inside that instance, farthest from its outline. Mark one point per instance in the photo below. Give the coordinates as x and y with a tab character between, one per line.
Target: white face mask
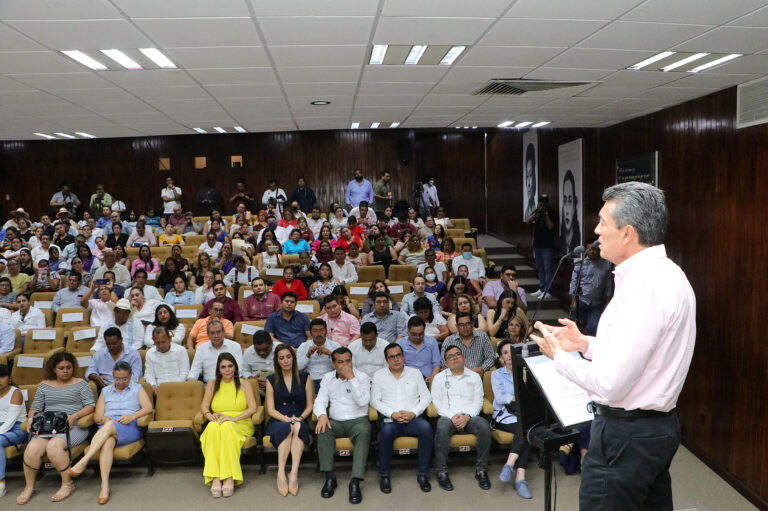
431	277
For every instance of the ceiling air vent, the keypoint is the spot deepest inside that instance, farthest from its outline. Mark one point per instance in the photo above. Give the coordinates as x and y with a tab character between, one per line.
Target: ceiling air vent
752	103
519	87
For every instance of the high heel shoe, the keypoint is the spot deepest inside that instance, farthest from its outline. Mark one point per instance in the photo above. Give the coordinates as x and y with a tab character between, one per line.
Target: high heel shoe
103	500
228	490
282	485
216	492
293	484
74	474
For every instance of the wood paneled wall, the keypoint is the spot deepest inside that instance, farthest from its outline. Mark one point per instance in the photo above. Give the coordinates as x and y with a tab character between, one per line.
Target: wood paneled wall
713	174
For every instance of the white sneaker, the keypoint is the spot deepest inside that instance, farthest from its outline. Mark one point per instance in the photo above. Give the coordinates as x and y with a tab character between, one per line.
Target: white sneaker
2	490
537	294
546	296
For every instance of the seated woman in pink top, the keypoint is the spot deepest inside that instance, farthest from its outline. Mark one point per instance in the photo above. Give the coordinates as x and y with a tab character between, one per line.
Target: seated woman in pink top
145	261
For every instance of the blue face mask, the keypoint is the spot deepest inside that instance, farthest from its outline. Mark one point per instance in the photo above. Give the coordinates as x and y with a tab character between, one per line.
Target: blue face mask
466	255
272	225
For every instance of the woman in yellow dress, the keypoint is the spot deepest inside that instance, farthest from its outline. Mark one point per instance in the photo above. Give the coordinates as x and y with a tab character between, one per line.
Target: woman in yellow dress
228	405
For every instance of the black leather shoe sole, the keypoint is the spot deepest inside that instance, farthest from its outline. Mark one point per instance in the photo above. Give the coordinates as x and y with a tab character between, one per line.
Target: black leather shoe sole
385	485
424	484
483	481
355	495
445	483
328	488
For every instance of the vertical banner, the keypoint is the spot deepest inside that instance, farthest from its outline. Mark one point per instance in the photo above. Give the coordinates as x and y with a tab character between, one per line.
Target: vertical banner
570	179
530	172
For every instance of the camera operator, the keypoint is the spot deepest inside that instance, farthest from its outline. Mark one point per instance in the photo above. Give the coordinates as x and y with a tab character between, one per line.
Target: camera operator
543	244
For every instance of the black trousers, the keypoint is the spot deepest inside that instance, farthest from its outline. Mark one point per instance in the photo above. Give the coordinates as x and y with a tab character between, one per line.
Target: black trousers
520	445
627	465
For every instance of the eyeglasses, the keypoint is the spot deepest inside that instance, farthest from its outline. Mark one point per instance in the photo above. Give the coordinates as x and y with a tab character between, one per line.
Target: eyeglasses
394	357
454	357
463	324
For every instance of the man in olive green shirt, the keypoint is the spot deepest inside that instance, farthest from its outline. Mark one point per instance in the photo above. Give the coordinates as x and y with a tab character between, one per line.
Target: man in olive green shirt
382	193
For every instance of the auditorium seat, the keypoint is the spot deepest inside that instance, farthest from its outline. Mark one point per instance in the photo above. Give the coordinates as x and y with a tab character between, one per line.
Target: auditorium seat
70	317
402	272
460	241
244	331
188	314
398	289
358	292
82	338
43	301
43	340
370	273
290	259
309	307
6	358
502	438
13	453
455	233
172	437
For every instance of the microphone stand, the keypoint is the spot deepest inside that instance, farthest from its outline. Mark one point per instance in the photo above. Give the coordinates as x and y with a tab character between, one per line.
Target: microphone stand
577	291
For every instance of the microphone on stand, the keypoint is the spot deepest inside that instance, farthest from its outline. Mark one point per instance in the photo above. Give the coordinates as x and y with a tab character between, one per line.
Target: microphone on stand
575	253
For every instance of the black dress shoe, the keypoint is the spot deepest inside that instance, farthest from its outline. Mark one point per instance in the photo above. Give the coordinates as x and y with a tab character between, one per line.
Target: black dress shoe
482	479
385	484
444	481
424	483
328	487
355	495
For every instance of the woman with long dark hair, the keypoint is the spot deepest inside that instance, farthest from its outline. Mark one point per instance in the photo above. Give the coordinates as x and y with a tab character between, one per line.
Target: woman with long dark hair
290	396
506	309
164	316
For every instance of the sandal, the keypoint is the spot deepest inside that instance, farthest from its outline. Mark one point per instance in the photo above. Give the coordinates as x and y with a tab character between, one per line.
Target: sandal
65	491
216	492
24	496
227	491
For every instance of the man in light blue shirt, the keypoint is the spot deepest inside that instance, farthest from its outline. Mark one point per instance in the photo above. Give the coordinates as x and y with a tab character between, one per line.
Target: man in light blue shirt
104	360
390	324
421	352
7	338
358	190
314	354
71	295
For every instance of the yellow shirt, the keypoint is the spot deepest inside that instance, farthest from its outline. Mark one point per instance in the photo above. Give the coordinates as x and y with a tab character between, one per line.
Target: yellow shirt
176	239
18	281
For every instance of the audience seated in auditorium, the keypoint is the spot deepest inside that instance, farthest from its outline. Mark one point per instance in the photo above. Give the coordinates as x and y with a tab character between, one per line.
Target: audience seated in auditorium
419	286
210	246
382	253
204	292
206	354
18	280
442	219
103	360
458	397
179	295
165	316
343	271
368	349
26	316
421	352
343	326
288	325
289	400
341	408
506	309
100	305
12	414
60	391
241	274
314	354
434	287
324	285
231	308
447	251
356	257
413	253
141	236
324	253
228	405
377	286
270	257
474	344
399	394
122	275
199	333
145	261
390	324
118	409
494	288
165	361
259	357
70	295
397	231
435	325
288	284
261	303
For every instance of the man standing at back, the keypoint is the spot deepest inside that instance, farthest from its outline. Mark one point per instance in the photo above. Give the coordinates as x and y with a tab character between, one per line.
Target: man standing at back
358	190
382	192
639	357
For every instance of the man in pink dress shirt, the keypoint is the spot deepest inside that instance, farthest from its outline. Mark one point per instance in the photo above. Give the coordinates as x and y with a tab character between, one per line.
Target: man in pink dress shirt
636	365
343	327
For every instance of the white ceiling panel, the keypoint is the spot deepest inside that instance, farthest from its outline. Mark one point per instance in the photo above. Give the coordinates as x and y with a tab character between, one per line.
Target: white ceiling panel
728	40
299	56
372	88
245	90
429	111
692	11
83	34
36	62
404	74
219	57
171	106
454	88
473	74
321	90
431	30
136	117
331	111
452	100
631	35
242	105
315	8
570	10
325	30
201	32
749	64
53	81
234	76
27	97
710	80
512	102
183	8
149	78
674	93
565	74
85	96
124	107
447	8
321	123
598	59
641	78
757	19
607	91
10	40
303	103
533	32
62	108
9	84
514	56
395	113
191	117
317	74
160	93
385	101
57	10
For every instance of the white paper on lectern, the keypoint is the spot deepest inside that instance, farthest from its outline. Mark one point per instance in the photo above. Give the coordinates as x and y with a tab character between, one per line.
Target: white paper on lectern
568	400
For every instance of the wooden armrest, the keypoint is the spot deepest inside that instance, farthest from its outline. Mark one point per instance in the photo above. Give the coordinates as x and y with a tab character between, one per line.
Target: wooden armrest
258	417
431	411
373	414
487	407
85	422
143	422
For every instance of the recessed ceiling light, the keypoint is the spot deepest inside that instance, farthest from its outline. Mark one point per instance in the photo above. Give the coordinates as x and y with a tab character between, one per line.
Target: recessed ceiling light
684	61
523	124
474	127
394	125
715	62
158	58
85	60
47	137
648	62
320	103
452	55
540	124
219	129
240	129
375	125
200	130
506	124
122	59
64	135
355	125
415	54
84	135
377	55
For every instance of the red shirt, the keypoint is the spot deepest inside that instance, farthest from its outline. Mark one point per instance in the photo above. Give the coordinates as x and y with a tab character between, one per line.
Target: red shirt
341	242
255	309
357	230
280	288
231	309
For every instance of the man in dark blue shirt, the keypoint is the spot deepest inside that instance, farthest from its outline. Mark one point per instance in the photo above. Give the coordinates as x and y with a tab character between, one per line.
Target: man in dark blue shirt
304	196
288	325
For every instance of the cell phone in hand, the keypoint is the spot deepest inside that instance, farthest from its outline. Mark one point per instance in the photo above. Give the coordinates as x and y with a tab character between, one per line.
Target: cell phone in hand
102	282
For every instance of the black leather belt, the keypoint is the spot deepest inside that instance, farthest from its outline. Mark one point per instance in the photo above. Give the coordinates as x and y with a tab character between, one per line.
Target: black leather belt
621	413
